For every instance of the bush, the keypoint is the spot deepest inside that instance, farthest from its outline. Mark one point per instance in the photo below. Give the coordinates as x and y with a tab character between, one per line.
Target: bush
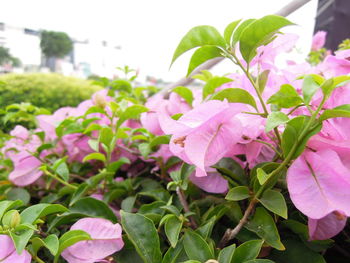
50	91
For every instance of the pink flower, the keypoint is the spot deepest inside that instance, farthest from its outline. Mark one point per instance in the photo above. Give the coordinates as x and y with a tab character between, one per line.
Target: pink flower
106	240
211	181
319	183
26	170
318	40
326	227
8	252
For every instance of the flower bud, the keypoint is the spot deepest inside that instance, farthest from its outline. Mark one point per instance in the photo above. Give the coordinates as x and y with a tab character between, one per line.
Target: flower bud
100	101
11	219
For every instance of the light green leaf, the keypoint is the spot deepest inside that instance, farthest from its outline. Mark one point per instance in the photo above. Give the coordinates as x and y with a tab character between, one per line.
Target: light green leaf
7	205
237	34
202	55
95	156
34	212
185	93
213	84
286	97
235	95
50	242
275	202
262	176
132	112
259	33
309	88
228	33
143	235
197	37
106	136
340	111
275	119
172	228
21	240
238	193
158	140
263	78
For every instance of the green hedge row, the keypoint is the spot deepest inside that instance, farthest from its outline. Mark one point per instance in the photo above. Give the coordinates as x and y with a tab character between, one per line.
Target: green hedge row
47	90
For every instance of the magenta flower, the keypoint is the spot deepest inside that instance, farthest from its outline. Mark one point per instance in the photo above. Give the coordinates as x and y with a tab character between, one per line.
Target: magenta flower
106	240
8	252
319	183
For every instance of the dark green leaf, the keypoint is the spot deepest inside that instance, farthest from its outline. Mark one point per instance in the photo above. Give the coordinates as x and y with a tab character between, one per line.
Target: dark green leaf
226	254
263	77
50	242
128	203
238	193
274	201
163	139
196	248
143	235
70	238
172	229
247	251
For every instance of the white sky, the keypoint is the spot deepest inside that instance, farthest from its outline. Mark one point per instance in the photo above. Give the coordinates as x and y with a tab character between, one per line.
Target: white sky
148	30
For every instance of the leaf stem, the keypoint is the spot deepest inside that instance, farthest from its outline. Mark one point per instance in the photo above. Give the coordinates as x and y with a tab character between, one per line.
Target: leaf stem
184	203
60	180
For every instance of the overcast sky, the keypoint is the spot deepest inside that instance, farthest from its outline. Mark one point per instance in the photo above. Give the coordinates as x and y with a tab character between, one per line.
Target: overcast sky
148	30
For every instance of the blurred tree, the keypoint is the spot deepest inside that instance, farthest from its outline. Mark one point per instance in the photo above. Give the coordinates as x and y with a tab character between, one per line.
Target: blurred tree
6	57
55	44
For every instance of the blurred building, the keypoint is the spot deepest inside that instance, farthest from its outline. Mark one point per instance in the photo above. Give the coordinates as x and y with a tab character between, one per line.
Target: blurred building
88	56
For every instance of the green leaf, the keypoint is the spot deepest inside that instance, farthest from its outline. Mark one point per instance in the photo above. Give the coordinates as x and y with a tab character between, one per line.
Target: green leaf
22	239
132	112
144	149
274	201
206	229
235	95
309	88
18	194
7	205
50	242
143	235
34	212
340	111
62	170
163	139
197	37
185	93
213	83
263	78
202	55
94	109
92	207
69	239
275	119
286	97
231	169
172	229
196	247
262	176
95	156
105	136
259	33
114	166
121	85
238	193
128	203
247	251
226	254
175	255
237	34
228	33
263	225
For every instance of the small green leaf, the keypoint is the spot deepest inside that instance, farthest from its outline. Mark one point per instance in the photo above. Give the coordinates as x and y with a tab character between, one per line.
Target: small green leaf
106	136
185	93
128	203
50	242
259	33
143	234
63	171
264	226
212	84
202	55
21	240
206	229
197	37
144	149
226	254
172	229
196	247
309	88
163	139
340	111
263	78
286	97
228	33
7	205
262	176
69	239
235	95
114	166
132	112
95	156
275	119
34	212
327	87
247	251
274	201
238	193
18	194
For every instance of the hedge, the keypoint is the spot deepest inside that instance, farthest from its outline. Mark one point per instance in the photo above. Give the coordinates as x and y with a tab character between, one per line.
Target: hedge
47	90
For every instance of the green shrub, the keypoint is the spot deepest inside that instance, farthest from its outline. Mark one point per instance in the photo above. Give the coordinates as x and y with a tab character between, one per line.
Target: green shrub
47	90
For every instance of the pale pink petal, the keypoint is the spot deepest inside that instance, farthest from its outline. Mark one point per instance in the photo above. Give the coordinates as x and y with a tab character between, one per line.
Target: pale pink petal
26	171
25	257
211	181
6	245
326	227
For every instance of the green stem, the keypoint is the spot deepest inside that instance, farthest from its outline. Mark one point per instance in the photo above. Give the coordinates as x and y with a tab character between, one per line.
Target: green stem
61	180
270	146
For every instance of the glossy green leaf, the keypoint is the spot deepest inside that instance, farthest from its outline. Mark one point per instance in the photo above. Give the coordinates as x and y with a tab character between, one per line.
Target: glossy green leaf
185	93
7	205
275	119
275	202
264	226
172	229
235	95
34	212
228	33
202	55
92	207
238	193
340	111
258	33
95	156
143	235
196	247
197	37
237	33
309	88
226	254
247	251
213	84
286	97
